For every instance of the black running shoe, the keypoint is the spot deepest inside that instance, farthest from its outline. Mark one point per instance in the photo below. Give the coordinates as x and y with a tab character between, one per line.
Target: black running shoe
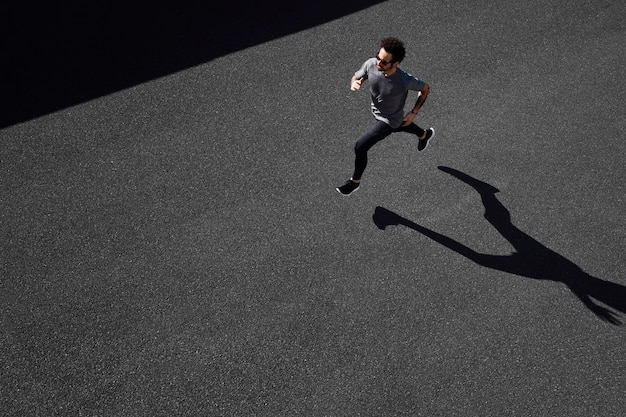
423	143
349	187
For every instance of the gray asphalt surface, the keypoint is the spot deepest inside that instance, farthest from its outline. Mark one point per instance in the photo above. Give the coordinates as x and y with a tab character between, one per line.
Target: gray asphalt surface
178	247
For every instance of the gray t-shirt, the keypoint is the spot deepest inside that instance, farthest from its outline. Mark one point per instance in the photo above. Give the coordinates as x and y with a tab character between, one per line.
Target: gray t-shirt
388	93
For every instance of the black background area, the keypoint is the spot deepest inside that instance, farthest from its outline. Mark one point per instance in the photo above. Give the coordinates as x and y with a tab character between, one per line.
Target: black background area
55	56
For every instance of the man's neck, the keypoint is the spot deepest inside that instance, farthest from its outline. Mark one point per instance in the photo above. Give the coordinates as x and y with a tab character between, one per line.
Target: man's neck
390	72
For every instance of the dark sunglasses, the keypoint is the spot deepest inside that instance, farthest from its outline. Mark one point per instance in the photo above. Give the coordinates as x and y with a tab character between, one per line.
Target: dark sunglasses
381	61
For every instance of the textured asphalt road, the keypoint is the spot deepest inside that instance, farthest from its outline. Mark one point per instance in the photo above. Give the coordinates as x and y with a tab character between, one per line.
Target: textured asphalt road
178	248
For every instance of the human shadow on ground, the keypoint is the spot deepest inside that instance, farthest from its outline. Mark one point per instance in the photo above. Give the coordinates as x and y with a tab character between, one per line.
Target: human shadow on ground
531	259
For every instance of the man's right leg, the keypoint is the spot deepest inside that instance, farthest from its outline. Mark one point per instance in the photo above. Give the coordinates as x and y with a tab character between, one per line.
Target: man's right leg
375	134
370	138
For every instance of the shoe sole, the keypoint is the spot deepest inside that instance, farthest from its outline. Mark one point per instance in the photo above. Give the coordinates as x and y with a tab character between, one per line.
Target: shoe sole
346	195
429	139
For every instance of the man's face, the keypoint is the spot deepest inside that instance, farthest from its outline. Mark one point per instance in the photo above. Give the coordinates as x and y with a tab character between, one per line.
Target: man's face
384	60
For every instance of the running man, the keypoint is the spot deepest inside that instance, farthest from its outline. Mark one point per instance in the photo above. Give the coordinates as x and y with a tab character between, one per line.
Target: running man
389	86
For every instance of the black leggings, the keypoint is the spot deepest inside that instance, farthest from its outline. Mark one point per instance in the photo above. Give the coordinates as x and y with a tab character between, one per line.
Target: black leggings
374	135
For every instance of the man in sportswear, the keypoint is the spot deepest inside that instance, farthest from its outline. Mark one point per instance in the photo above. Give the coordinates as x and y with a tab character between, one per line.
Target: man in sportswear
389	86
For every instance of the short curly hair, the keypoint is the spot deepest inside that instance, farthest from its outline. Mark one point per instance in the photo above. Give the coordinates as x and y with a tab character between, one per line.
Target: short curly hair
395	47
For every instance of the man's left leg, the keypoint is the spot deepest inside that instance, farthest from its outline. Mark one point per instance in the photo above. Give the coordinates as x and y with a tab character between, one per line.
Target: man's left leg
423	135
